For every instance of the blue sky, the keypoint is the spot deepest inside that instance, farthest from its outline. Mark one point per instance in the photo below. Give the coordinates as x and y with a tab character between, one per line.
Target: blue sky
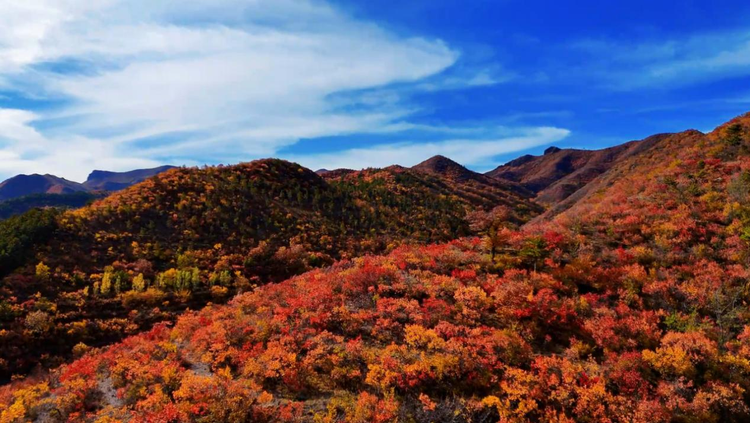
117	85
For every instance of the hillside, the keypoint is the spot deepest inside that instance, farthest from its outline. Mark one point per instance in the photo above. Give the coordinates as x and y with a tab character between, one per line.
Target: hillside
19	205
631	306
189	236
684	173
21	185
475	190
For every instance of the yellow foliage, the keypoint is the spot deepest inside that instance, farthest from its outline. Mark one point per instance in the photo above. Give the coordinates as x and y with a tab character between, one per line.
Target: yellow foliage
669	360
25	399
14	413
139	283
265	398
42	272
517	402
419	337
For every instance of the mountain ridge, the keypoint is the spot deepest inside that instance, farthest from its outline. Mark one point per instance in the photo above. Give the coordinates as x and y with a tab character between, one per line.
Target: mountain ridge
103	180
99	180
21	185
559	173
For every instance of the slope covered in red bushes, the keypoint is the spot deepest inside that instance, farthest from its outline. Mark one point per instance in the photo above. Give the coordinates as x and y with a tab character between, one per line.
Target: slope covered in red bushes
190	236
631	306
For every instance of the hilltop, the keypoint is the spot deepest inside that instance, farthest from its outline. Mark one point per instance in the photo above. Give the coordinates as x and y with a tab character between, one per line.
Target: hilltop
441	165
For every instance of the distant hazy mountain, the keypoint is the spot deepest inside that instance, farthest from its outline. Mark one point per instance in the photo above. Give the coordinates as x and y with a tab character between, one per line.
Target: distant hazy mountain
98	180
21	185
25	192
102	180
561	172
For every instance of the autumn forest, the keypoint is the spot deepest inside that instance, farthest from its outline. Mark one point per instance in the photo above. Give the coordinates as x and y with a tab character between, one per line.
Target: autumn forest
574	286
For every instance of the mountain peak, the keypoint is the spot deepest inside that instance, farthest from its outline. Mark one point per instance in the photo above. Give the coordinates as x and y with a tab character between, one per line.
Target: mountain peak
444	166
20	185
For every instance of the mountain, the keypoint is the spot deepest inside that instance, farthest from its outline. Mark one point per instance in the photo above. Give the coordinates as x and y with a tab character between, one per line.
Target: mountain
631	305
100	180
198	235
559	173
667	173
441	165
629	159
24	192
21	185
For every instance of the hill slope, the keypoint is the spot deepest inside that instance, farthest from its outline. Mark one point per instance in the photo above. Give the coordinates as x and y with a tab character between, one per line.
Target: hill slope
199	235
455	182
629	307
19	205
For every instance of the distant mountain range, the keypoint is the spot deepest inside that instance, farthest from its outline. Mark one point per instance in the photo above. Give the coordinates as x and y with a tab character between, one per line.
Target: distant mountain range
25	192
21	185
548	179
559	173
98	180
101	180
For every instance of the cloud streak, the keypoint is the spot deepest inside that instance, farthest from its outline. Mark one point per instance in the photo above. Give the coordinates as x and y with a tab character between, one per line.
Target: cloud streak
666	63
234	79
138	83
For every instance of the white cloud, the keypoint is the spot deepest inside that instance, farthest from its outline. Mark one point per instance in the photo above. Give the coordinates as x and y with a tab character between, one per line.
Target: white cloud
24	150
237	79
477	153
147	82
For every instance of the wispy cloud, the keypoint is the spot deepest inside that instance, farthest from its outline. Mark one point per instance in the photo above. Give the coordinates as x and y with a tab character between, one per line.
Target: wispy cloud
23	149
665	62
137	83
236	79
